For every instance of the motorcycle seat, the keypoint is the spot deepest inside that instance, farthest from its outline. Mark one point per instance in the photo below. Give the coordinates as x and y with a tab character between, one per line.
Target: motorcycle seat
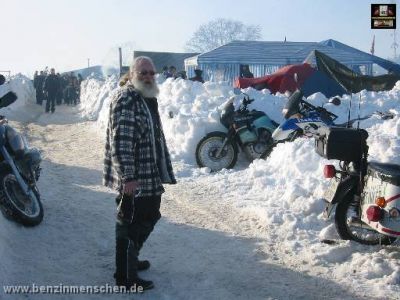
386	172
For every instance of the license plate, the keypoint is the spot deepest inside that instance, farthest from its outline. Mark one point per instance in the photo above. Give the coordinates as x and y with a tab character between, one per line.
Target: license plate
331	190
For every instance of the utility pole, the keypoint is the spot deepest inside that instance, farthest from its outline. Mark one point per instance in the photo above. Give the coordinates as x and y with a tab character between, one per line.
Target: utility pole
120	61
88	62
394	44
394	34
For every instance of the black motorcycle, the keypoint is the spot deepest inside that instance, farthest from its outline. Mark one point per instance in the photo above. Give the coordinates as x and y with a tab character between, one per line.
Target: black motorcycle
249	130
366	194
19	172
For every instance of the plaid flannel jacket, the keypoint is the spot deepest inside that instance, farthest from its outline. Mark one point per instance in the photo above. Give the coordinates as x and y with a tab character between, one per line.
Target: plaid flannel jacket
130	152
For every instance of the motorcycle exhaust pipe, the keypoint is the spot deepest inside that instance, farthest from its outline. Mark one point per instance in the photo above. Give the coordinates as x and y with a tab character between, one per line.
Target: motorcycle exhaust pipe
356	222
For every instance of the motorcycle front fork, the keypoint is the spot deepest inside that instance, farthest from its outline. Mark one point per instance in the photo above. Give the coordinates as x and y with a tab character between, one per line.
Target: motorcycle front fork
225	142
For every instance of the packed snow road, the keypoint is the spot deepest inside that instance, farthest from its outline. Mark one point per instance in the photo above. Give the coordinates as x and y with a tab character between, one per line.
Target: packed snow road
203	248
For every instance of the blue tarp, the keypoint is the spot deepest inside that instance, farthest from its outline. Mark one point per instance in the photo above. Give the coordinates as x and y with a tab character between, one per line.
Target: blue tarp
319	82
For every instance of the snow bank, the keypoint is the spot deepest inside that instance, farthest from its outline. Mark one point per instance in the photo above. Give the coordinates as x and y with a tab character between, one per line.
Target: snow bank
23	87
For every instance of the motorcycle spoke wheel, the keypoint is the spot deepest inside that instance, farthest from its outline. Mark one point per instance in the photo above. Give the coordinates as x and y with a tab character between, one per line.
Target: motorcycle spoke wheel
207	150
26	204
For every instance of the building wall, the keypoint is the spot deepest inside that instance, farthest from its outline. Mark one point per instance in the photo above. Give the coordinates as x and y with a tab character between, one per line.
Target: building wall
229	72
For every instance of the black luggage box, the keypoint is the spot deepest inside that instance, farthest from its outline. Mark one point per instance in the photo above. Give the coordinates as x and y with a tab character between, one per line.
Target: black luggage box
345	144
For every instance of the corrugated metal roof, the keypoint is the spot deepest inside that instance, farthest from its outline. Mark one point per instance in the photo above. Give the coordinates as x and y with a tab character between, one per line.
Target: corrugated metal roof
283	53
368	57
255	52
168	59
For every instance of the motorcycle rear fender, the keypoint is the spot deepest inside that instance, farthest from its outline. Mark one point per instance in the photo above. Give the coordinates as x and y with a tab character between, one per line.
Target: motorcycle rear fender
345	188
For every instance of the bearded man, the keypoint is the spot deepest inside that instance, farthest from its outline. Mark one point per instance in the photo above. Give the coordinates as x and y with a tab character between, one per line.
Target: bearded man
137	163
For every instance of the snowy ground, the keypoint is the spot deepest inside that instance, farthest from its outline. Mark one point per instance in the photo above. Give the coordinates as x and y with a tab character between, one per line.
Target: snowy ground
252	232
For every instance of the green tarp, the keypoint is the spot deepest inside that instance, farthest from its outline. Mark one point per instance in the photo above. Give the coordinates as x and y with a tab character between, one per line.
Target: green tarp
353	82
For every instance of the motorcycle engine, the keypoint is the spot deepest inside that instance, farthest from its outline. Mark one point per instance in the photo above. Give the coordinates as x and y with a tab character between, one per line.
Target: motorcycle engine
255	150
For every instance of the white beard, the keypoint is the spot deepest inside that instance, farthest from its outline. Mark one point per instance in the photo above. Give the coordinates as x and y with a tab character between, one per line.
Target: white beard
146	90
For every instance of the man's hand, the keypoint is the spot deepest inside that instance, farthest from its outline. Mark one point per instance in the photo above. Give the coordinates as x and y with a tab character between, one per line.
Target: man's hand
130	187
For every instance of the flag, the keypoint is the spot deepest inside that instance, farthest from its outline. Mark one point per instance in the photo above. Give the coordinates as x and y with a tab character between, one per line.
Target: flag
373	46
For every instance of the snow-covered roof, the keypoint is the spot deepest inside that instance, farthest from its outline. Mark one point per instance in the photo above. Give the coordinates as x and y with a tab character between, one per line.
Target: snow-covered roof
284	53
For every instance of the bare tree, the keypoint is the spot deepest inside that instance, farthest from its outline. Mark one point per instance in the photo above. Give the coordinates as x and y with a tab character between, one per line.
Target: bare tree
219	32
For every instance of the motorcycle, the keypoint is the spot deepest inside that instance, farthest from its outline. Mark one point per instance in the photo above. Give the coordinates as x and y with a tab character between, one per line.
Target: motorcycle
301	119
248	130
366	194
304	119
19	172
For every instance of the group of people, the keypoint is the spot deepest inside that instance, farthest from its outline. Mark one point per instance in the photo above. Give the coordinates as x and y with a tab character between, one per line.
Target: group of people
56	88
170	72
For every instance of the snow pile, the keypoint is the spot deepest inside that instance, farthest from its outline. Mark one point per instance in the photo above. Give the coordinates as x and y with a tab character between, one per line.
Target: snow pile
23	87
96	94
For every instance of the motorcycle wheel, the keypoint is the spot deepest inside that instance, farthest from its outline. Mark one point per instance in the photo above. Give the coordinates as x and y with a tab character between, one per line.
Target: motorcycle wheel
207	149
15	205
268	151
346	214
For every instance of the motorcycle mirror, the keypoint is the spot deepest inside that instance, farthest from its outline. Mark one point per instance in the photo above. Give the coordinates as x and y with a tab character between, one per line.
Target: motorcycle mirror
237	91
8	99
335	101
293	105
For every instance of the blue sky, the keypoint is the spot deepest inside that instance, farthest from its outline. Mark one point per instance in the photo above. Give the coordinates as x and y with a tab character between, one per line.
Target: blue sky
65	33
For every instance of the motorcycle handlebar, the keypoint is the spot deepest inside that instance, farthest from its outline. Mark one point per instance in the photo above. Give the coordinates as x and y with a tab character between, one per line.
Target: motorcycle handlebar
9	97
319	109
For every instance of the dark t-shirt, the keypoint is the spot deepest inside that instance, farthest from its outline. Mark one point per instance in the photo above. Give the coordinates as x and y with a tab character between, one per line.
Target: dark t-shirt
153	107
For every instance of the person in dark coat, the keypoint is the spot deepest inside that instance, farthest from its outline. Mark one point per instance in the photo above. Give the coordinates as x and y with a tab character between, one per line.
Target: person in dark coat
198	76
245	72
137	163
60	89
38	85
50	86
35	78
172	72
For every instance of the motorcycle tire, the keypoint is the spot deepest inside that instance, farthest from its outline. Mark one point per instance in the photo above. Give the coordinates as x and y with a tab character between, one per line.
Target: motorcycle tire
268	151
346	232
26	210
208	147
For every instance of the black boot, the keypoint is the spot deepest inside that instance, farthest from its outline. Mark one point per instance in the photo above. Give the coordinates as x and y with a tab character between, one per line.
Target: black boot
139	282
120	281
143	265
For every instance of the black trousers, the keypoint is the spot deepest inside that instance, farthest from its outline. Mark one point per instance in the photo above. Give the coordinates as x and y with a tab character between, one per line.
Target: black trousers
51	101
131	237
39	96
